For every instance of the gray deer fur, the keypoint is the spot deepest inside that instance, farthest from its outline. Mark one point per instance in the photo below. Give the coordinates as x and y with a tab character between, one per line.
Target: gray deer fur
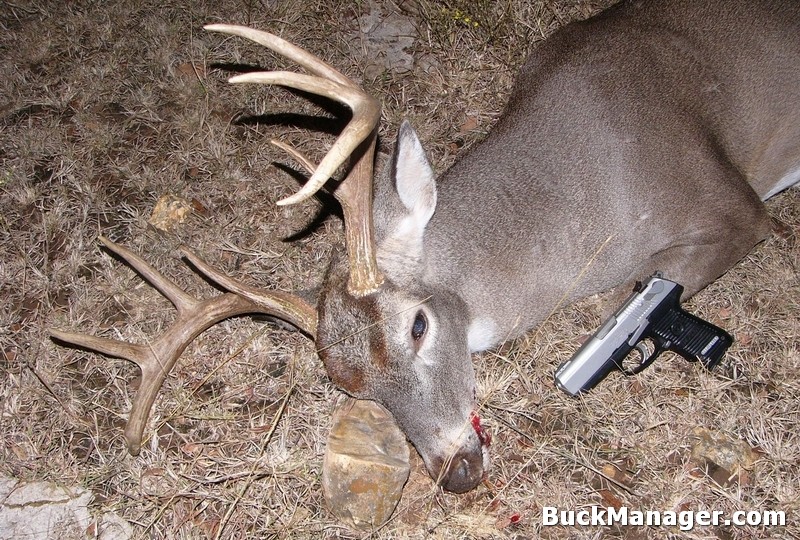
648	136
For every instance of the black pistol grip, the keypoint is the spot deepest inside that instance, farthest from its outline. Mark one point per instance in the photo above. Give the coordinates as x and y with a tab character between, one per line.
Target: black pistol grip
691	337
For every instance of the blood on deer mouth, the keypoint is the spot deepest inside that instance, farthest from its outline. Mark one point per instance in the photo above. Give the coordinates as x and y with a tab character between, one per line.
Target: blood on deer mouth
483	434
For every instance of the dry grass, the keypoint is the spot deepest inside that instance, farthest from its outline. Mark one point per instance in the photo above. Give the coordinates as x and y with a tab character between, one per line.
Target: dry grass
106	106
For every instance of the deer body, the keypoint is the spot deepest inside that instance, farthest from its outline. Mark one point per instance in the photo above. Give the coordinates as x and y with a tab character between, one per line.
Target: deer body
640	126
641	140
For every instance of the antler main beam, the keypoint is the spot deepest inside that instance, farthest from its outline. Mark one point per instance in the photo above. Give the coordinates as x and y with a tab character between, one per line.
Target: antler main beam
157	358
356	142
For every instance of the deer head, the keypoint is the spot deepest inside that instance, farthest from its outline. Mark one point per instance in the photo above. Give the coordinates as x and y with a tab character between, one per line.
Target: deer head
381	333
405	344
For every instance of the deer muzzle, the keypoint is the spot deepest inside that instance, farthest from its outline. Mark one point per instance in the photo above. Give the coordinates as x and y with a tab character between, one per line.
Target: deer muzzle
462	470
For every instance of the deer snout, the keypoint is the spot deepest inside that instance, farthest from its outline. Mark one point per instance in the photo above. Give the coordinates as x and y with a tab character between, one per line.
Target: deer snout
461	470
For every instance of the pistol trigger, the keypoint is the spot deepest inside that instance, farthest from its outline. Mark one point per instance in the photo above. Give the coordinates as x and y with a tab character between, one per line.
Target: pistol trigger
648	356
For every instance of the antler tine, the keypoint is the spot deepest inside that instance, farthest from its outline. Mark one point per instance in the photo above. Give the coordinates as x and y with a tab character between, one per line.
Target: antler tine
164	285
283	305
156	359
296	154
358	244
366	115
355	196
284	48
329	83
357	141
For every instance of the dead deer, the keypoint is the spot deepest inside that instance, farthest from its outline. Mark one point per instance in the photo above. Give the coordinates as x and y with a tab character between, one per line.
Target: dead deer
644	139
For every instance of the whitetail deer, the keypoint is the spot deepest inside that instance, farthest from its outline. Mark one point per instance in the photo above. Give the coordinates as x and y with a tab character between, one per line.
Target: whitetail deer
643	139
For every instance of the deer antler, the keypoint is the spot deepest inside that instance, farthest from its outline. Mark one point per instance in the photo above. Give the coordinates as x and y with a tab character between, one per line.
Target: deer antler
157	358
357	141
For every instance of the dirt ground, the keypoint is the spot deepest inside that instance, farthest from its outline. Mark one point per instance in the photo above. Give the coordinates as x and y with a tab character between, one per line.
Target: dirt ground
107	106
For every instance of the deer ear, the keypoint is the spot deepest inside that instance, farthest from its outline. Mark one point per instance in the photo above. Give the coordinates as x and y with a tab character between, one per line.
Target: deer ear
413	176
404	203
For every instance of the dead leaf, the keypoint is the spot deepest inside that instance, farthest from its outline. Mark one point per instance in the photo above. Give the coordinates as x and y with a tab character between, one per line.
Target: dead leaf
616	474
199	207
469	124
744	338
782	231
610	499
190	70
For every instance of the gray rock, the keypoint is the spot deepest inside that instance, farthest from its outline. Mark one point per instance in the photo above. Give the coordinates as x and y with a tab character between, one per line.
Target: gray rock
50	511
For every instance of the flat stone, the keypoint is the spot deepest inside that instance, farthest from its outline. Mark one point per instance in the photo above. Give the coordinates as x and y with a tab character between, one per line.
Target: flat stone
366	465
51	511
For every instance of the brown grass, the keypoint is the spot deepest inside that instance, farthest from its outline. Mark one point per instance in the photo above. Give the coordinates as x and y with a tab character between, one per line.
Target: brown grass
104	107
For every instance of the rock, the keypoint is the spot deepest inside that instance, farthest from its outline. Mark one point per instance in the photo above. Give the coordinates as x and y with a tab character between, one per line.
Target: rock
169	211
366	465
46	510
727	461
386	40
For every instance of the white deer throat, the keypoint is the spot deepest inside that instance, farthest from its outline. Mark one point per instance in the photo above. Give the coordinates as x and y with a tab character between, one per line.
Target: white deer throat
481	334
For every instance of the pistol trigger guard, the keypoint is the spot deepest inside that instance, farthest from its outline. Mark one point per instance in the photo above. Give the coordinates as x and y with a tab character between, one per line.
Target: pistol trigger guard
648	359
652	358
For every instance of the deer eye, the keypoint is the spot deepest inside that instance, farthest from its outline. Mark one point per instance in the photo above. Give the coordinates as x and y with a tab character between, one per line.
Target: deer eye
419	327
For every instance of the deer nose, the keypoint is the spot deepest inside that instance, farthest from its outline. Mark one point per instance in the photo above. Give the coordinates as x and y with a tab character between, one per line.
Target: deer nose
464	471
